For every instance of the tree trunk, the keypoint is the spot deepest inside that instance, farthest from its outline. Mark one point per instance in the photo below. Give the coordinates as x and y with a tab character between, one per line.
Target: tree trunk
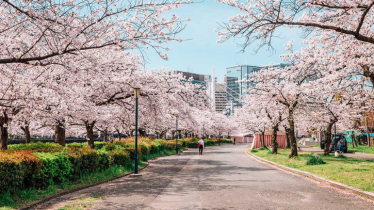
326	152
288	143
367	132
292	135
119	134
4	131
90	137
263	139
60	134
26	130
274	150
354	144
105	134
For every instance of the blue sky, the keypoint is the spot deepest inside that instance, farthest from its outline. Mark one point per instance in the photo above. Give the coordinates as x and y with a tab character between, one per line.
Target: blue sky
201	54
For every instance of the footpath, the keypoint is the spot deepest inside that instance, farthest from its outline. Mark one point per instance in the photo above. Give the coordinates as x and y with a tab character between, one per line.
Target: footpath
362	156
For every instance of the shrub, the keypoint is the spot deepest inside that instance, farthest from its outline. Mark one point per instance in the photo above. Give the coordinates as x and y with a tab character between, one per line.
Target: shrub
144	148
77	145
131	151
98	144
153	148
55	168
119	157
192	144
38	147
122	144
17	169
315	159
84	160
103	160
111	147
254	150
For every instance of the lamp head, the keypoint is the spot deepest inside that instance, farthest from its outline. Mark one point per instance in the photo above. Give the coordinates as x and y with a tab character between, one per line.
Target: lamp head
136	92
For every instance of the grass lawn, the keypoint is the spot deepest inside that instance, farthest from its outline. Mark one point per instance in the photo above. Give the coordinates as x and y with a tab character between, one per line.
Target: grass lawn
350	171
361	149
315	145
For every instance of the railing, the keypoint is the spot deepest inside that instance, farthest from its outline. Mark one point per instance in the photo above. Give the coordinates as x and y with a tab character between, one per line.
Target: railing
67	140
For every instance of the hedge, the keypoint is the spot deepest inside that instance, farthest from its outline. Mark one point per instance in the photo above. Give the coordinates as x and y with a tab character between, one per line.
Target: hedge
38	165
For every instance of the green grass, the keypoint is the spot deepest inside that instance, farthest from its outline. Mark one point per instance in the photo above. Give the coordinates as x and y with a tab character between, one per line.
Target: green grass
81	203
350	171
314	145
361	149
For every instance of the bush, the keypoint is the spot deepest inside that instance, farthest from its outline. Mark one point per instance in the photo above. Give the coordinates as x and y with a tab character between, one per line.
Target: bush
153	148
98	145
55	168
111	147
119	157
315	159
17	169
38	147
254	150
192	144
131	151
144	148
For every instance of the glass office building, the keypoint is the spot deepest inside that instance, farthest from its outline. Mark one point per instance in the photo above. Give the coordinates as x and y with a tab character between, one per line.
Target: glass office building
236	89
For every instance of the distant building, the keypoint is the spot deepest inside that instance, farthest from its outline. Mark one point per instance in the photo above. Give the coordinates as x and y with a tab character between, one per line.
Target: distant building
196	78
235	89
221	98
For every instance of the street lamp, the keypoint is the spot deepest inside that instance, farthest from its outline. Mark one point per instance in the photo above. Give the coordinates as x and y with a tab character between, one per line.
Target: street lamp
136	94
203	131
176	133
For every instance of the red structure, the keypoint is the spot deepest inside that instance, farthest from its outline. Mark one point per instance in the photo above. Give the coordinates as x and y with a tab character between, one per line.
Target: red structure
241	139
281	139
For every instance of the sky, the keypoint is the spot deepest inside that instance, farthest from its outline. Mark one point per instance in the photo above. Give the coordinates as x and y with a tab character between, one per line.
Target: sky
200	53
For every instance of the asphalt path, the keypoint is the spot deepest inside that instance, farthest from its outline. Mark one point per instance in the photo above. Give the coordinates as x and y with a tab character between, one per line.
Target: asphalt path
225	177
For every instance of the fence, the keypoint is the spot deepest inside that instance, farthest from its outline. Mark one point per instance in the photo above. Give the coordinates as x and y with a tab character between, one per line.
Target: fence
67	140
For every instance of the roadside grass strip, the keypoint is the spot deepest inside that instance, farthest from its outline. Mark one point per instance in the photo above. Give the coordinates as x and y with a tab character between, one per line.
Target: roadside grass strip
359	149
349	171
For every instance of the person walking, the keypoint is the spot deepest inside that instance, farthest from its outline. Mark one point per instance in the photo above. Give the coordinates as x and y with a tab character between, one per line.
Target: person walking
200	144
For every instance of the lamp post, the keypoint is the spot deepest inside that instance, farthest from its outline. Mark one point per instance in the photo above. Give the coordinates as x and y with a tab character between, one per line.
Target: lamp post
136	94
176	133
203	131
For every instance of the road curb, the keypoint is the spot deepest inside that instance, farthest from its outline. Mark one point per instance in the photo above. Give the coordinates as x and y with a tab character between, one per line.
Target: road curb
48	198
366	194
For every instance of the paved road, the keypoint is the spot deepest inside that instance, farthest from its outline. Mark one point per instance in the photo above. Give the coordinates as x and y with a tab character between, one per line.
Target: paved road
223	178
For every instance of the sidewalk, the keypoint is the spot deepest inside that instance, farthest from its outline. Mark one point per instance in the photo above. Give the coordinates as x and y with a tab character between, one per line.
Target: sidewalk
352	155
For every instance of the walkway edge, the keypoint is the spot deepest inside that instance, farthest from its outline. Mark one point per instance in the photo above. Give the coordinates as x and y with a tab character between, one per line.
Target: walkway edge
354	190
48	198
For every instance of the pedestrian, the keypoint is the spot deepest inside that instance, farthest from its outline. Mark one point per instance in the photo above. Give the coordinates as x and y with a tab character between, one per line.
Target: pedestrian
111	139
200	144
234	140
